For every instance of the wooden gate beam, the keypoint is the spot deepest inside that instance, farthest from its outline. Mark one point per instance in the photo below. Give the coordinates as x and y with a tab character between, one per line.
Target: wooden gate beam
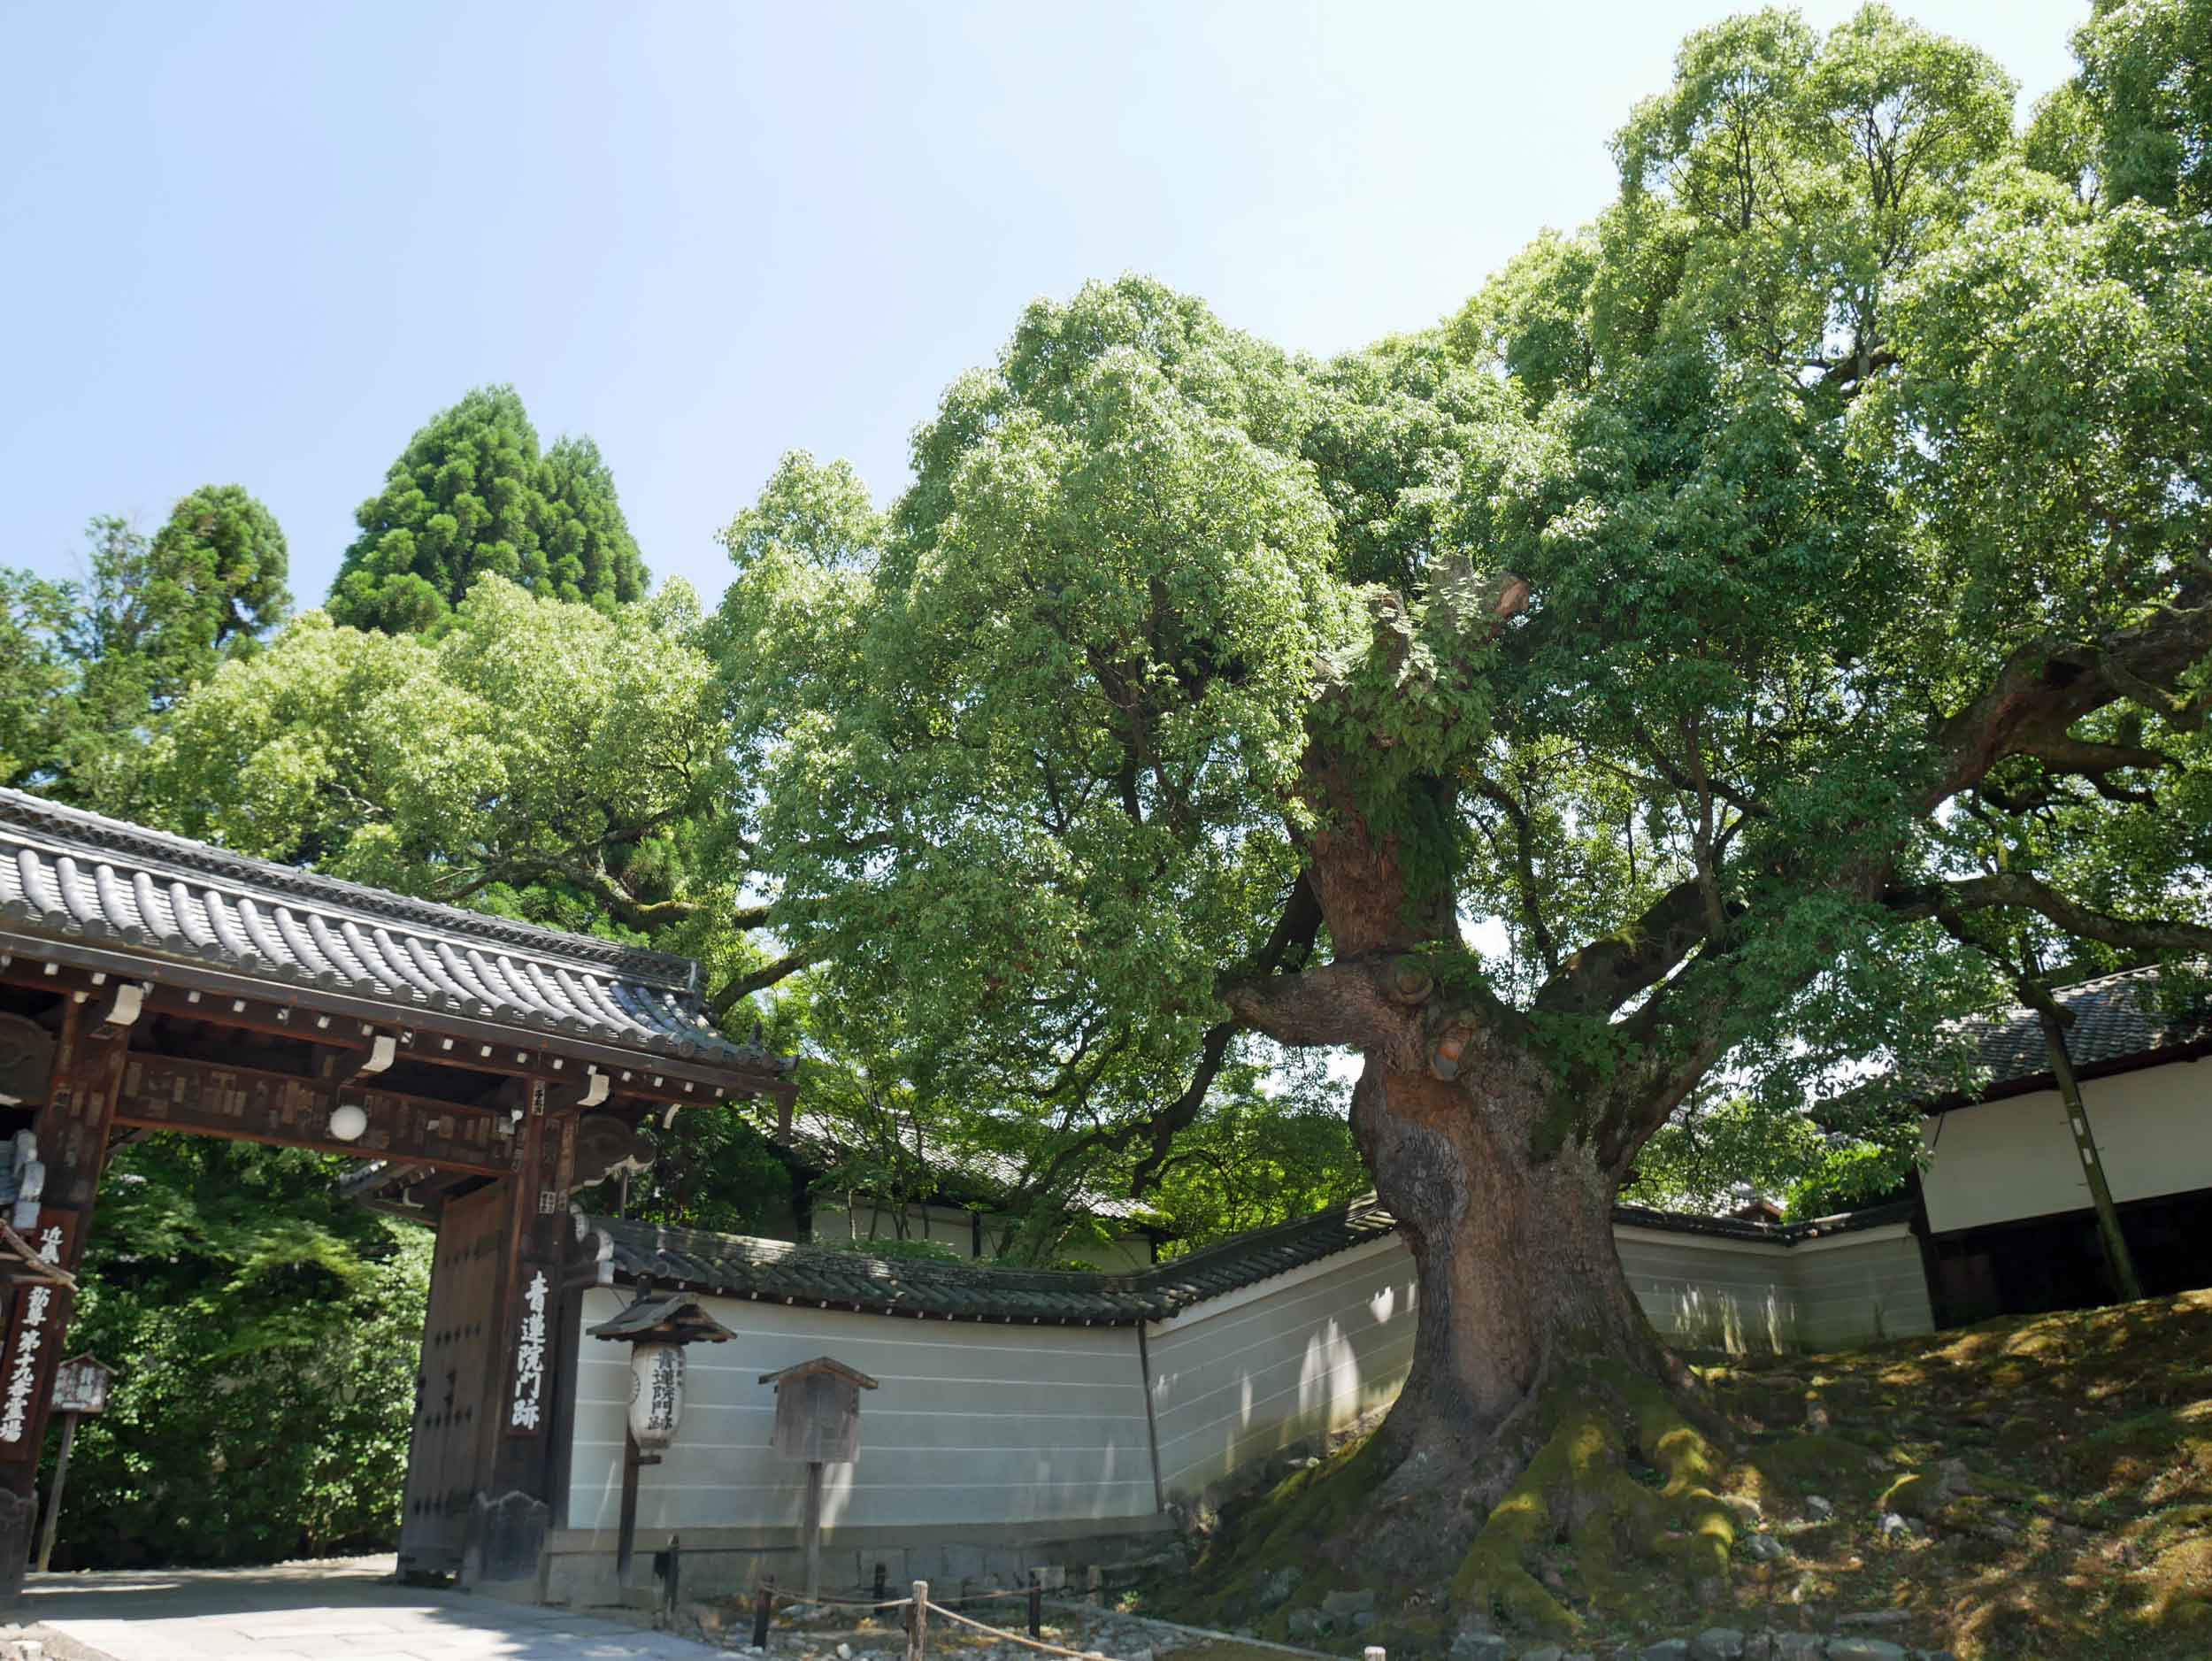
285	1111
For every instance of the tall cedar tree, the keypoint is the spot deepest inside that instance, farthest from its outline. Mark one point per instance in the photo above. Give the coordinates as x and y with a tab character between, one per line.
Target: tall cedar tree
471	496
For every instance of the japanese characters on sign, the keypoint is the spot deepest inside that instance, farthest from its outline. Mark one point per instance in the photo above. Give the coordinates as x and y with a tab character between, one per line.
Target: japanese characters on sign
656	1394
22	1361
81	1386
529	1357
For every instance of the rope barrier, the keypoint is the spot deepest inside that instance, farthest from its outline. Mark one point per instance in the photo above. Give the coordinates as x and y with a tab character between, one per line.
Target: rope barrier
1034	1643
782	1596
918	1606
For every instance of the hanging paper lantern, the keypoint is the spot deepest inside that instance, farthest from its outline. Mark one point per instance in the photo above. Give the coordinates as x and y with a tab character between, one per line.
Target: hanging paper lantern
656	1394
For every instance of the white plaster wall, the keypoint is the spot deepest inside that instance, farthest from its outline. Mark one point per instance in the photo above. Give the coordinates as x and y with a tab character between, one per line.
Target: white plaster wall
1241	1376
982	1423
2015	1158
1703	1292
1858	1288
974	1423
946	1224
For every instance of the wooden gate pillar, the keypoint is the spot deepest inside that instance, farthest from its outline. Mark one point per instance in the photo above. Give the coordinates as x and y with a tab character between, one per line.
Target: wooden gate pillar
514	1507
71	1128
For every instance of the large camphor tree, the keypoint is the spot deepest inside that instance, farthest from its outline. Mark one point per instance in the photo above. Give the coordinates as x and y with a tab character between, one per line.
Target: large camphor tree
1740	598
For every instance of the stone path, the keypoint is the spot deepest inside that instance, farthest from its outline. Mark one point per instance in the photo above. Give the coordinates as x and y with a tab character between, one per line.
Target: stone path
317	1612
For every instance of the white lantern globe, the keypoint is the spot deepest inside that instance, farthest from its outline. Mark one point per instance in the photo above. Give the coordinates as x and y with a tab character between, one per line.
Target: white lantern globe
656	1394
348	1120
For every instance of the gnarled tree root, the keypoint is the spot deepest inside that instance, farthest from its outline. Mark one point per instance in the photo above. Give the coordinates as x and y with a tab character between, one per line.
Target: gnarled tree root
1579	1529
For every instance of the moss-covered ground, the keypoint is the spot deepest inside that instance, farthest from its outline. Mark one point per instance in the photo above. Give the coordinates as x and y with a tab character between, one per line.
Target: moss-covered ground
2031	1488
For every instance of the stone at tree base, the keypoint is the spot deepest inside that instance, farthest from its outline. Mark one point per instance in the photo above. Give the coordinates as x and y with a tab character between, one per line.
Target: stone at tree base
1797	1646
1544	1652
1668	1649
1480	1646
1745	1510
1341	1605
1855	1647
1718	1643
1765	1549
1818	1509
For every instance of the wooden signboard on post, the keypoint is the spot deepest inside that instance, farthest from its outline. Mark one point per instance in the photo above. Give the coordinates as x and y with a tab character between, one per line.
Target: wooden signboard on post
817	1419
80	1386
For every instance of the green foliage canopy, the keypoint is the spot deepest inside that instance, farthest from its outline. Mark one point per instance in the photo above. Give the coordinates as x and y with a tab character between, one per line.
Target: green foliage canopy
472	495
540	758
92	665
1678	611
265	1335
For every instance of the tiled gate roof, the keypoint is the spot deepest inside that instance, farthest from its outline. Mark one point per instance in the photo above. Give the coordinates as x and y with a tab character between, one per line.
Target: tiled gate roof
69	877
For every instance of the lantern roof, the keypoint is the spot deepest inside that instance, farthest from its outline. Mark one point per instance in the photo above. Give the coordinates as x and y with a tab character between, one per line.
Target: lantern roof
820	1364
671	1318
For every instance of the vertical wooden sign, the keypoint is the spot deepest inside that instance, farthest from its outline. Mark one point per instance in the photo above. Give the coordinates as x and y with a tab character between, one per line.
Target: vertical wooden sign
38	1323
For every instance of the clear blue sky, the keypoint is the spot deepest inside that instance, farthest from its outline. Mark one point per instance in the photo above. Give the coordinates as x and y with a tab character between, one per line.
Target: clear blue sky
262	244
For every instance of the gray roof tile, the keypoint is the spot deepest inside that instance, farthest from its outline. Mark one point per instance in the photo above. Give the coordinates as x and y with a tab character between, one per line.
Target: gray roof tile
2118	1021
68	874
2117	1018
776	1271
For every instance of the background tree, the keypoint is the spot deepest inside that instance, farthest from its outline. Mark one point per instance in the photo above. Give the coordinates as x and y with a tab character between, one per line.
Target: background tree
2145	89
538	758
265	1335
1672	611
36	677
472	495
98	661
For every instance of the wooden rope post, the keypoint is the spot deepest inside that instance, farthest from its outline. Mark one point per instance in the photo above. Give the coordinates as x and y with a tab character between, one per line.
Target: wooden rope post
1375	1653
671	1589
883	1589
1036	1604
917	1635
762	1605
814	1528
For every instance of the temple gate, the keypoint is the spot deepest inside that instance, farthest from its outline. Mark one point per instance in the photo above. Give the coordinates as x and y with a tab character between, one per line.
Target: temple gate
487	1068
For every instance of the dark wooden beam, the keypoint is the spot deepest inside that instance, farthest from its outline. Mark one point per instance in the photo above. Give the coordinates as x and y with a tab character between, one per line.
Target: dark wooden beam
245	1104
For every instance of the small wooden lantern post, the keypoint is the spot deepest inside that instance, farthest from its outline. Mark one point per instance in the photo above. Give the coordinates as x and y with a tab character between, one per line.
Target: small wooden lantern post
817	1419
80	1386
657	1328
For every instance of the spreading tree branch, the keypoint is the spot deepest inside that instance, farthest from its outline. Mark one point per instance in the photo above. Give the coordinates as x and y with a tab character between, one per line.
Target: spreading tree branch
1608	972
2020	891
735	991
1291	939
2043	688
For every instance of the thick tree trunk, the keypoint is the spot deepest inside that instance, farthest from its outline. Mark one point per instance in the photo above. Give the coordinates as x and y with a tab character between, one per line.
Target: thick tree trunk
1518	1271
1536	1379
